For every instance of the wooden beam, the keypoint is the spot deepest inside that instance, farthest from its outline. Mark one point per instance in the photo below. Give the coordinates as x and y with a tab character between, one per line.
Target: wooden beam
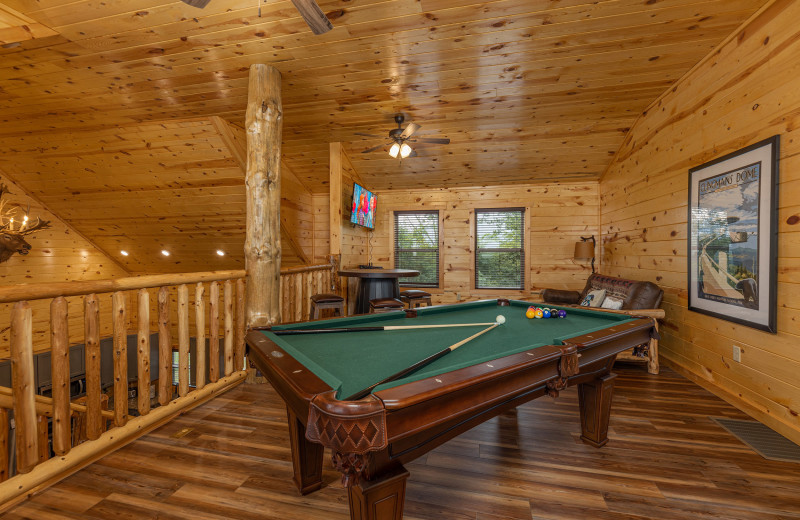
335	185
262	249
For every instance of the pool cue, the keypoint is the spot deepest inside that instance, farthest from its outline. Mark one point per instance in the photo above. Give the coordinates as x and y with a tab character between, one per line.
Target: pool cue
418	365
290	332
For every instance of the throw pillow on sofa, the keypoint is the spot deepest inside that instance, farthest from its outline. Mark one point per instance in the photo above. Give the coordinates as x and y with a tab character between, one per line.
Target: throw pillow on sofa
612	303
594	298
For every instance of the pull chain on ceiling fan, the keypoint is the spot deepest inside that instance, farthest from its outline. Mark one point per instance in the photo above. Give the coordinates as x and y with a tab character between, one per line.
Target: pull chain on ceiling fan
309	10
399	139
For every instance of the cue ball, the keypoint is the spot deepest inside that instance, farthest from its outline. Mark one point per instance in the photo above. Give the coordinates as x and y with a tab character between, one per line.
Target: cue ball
562	314
530	313
500	319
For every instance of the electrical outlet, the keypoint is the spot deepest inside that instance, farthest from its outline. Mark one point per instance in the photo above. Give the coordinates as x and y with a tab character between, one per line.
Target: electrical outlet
737	353
458	296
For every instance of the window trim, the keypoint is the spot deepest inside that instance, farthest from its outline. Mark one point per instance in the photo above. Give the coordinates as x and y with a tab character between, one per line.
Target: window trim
439	248
524	250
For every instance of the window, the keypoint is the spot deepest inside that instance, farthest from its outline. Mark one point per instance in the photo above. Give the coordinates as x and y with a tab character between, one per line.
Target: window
416	246
499	251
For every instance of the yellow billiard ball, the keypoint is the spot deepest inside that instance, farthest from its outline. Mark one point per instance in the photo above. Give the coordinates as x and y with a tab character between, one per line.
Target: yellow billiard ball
539	313
530	313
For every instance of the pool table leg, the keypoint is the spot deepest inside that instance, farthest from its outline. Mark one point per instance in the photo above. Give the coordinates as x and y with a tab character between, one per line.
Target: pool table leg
306	457
381	498
595	405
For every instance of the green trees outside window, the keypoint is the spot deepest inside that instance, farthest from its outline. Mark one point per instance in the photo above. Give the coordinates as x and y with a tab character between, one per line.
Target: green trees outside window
499	248
416	246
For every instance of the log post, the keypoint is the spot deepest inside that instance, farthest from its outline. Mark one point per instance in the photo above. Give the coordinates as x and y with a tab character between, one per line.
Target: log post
94	394
238	348
59	346
200	337
262	249
183	340
164	348
143	358
120	359
23	384
335	198
228	312
213	329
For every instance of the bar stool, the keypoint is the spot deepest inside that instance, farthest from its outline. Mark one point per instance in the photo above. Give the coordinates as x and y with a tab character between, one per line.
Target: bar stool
385	305
415	298
326	301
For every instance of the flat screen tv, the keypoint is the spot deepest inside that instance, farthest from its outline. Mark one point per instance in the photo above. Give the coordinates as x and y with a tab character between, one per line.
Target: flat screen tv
363	209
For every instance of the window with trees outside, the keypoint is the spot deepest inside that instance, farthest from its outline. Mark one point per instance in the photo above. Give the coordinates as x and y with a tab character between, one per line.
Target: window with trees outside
499	251
416	246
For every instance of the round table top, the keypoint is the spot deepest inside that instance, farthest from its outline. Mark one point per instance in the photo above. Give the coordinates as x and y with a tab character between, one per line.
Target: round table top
378	273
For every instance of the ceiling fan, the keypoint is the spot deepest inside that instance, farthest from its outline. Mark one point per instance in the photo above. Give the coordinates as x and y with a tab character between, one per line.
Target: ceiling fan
308	9
399	139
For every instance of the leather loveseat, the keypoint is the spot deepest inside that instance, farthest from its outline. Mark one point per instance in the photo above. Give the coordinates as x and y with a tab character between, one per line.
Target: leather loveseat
644	297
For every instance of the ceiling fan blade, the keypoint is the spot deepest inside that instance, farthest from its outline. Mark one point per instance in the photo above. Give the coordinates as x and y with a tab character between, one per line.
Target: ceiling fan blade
196	3
412	154
313	16
435	140
368	135
368	150
409	131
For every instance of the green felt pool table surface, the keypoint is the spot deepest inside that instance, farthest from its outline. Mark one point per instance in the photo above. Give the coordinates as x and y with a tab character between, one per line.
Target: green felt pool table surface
349	362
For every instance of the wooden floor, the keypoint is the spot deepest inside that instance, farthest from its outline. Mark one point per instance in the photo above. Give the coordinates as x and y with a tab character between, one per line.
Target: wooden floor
666	459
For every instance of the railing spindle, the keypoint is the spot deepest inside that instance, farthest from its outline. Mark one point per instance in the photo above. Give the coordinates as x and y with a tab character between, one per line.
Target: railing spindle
143	353
284	300
164	348
120	359
59	369
43	438
213	318
91	324
4	426
238	350
23	384
228	302
298	300
200	341
183	340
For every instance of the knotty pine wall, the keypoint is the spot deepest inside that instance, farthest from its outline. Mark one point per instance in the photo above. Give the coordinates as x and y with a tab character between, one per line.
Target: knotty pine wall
557	215
745	91
58	254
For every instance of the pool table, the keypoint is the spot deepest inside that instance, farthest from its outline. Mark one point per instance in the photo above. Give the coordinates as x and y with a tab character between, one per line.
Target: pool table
371	438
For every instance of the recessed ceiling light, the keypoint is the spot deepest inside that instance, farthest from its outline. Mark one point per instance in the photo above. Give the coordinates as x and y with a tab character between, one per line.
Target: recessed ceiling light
220	252
123	253
165	252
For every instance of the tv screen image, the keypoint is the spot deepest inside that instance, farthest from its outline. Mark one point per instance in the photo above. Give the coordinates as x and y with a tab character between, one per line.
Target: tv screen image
363	210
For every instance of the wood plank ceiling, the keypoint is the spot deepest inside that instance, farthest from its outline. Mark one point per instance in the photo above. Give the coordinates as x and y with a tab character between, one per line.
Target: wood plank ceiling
527	90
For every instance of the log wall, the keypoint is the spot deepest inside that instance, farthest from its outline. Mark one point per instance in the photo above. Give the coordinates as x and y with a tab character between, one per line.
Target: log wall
557	215
57	254
745	91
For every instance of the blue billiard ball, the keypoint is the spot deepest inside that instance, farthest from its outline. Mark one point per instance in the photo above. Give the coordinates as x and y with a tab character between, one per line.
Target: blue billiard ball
546	313
562	313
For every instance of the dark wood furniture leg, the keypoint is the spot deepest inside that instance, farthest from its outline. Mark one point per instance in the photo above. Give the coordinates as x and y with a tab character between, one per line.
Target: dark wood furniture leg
306	457
381	498
595	405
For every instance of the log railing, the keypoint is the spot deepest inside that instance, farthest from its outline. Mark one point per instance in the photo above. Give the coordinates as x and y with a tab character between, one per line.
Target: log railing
299	284
56	435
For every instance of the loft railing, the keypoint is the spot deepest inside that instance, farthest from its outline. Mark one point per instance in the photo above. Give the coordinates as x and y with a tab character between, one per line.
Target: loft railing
55	435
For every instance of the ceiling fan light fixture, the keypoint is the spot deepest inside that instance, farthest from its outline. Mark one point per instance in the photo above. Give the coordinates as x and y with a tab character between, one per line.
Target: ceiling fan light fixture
405	151
395	149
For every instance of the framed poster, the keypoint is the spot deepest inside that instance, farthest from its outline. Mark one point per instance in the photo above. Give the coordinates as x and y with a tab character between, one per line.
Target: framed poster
733	235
